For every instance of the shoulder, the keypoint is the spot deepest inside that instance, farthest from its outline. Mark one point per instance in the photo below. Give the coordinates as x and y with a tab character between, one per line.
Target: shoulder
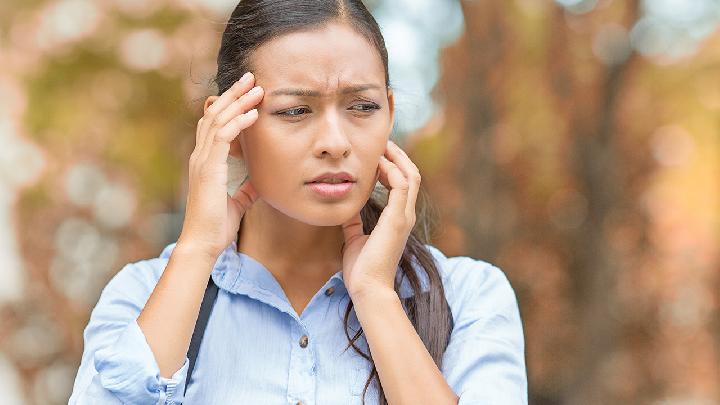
475	288
484	361
123	297
136	280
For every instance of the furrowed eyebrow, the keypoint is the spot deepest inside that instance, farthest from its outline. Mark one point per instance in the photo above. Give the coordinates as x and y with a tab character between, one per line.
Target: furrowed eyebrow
315	93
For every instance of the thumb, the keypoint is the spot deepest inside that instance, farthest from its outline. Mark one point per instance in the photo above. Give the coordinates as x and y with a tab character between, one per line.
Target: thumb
237	205
245	195
352	229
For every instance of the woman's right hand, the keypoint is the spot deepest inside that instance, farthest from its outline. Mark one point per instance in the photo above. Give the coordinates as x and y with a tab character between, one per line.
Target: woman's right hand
212	216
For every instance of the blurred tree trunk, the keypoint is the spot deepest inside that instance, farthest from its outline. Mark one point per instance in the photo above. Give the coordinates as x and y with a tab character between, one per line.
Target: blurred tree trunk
475	83
473	86
602	179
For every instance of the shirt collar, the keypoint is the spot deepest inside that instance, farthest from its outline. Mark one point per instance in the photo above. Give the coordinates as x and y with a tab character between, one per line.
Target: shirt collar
237	272
234	269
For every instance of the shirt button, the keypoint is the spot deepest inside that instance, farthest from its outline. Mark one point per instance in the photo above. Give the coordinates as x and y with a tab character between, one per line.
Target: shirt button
304	341
329	291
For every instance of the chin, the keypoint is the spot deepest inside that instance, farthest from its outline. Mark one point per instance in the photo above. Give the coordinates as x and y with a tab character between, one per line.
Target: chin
331	215
319	214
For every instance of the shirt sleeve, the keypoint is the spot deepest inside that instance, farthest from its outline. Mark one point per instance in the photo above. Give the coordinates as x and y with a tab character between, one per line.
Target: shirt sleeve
118	366
484	362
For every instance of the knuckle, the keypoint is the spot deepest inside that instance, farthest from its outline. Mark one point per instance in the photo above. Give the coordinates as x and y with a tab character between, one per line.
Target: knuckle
237	85
215	123
211	112
205	173
220	137
411	218
242	99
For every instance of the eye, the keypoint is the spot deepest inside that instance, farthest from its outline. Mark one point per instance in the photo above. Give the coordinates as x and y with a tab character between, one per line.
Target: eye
365	107
294	112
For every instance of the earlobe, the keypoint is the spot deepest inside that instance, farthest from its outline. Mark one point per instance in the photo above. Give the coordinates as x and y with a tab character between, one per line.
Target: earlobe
208	103
236	148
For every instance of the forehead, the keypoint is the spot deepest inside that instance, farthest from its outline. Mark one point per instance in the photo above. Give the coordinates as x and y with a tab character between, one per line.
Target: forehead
324	58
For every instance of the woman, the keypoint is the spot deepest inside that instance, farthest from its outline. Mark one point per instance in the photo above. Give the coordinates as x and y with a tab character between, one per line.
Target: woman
324	296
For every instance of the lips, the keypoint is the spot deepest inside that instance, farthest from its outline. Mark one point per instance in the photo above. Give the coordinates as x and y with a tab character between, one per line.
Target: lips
333	178
331	181
331	191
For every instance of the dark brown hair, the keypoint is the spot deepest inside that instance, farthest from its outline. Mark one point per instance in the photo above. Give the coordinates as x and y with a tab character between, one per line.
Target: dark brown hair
254	22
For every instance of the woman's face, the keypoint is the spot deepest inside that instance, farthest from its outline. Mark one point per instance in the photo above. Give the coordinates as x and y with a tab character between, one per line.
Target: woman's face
326	108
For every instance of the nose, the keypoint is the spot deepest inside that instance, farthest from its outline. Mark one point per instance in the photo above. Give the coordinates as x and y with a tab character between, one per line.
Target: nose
331	140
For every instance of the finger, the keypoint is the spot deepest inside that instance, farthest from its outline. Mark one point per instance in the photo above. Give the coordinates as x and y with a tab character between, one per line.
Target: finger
241	105
412	173
234	110
245	194
216	120
220	148
394	180
204	122
352	229
209	124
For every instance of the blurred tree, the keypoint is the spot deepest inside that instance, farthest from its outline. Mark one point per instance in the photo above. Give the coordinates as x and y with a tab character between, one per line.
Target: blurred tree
550	119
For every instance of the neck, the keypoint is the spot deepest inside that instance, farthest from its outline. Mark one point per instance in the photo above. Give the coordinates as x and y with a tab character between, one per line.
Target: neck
287	246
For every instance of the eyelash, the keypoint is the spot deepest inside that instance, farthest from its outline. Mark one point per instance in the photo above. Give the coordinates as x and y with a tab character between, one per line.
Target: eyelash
371	107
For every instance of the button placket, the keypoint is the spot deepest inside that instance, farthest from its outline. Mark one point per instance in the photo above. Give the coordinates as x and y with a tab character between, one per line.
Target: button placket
301	385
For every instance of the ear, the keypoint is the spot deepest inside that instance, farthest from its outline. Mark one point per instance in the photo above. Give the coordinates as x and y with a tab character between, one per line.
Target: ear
235	148
208	103
391	106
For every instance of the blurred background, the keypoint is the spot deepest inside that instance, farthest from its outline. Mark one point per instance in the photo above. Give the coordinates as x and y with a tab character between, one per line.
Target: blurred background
574	143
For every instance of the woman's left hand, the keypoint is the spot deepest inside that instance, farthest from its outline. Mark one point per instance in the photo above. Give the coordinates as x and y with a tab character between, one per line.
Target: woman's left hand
370	261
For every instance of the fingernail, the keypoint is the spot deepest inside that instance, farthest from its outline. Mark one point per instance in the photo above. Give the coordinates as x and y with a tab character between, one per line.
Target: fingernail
245	76
254	91
254	111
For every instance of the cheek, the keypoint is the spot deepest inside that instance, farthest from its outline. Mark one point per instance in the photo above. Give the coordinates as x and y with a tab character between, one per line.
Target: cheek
272	166
372	151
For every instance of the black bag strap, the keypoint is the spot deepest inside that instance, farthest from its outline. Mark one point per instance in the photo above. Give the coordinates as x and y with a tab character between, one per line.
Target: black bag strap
211	292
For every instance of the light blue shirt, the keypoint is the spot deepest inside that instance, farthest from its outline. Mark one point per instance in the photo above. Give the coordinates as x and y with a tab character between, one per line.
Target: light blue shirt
251	351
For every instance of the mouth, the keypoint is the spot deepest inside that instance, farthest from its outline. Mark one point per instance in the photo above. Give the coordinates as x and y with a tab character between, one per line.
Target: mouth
328	190
333	178
330	181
